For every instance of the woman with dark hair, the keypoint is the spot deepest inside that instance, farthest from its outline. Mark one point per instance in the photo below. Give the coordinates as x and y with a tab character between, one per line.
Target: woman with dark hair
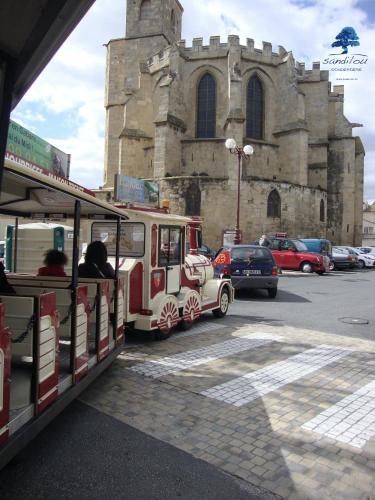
96	265
54	262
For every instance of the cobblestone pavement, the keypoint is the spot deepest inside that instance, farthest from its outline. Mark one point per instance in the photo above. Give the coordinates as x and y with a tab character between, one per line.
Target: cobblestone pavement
290	410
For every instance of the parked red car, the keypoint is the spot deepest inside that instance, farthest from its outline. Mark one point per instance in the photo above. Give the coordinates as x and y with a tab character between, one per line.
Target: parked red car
294	254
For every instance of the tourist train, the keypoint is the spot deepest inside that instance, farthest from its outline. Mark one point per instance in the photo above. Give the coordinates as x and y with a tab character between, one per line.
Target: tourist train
57	334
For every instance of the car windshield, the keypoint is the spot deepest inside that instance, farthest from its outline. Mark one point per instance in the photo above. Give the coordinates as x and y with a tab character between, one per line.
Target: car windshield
301	247
348	250
244	254
344	251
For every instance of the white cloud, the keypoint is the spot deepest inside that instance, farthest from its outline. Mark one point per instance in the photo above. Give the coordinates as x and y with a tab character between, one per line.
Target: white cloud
29	119
87	145
74	80
71	89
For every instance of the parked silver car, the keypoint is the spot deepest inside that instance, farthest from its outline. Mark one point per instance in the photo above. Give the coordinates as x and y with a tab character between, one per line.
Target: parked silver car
343	259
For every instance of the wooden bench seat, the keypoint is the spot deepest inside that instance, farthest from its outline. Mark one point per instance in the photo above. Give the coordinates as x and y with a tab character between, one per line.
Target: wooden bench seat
19	317
33	318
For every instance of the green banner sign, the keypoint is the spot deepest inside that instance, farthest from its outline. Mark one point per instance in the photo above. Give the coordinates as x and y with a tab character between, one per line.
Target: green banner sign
132	190
30	150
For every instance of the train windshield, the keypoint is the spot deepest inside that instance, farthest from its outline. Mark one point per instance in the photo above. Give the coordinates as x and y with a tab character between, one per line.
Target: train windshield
132	241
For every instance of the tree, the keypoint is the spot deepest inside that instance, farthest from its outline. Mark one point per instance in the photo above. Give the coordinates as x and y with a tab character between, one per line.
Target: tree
347	37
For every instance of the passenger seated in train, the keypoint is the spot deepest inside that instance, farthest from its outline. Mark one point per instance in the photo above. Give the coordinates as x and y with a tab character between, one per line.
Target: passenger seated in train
96	265
54	262
5	287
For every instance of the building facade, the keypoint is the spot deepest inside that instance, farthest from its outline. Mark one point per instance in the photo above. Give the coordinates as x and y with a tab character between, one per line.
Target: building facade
368	238
170	108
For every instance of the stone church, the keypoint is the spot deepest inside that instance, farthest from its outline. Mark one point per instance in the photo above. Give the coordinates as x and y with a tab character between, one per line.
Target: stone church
170	108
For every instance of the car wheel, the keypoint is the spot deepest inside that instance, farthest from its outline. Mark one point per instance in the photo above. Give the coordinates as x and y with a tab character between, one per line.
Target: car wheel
331	266
361	264
222	310
272	292
306	267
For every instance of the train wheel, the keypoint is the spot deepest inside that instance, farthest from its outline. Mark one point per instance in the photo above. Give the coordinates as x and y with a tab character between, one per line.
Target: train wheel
191	312
222	310
168	318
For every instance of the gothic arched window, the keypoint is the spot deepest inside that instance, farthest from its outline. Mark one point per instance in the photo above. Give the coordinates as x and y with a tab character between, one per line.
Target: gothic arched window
273	204
206	107
322	211
193	201
254	108
145	10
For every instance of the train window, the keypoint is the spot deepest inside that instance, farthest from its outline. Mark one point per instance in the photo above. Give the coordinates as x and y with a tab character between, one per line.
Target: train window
132	242
170	246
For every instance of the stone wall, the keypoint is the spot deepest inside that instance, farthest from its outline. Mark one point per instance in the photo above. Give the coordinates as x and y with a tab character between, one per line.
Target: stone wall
341	194
300	207
317	164
204	156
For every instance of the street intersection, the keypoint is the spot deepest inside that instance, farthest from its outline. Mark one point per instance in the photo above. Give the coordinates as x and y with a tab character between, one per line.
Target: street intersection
286	408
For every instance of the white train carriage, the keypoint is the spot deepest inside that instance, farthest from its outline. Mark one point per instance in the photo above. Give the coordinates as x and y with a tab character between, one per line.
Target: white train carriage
164	285
57	334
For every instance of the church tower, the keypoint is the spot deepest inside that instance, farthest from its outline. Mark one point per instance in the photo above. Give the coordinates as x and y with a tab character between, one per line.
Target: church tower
151	26
145	18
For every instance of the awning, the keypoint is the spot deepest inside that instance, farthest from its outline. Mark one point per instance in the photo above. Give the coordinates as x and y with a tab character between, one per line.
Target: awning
30	194
30	34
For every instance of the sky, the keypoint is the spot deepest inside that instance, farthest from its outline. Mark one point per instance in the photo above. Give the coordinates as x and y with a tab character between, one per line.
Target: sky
65	106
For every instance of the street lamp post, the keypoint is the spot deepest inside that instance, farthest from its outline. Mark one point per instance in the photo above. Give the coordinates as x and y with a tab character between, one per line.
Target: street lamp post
240	153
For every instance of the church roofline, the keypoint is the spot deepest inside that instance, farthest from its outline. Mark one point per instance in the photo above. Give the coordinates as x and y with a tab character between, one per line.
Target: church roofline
216	44
123	39
181	7
114	40
217	49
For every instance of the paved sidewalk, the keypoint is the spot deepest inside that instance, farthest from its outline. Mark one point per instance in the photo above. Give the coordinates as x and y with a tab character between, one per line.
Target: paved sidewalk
290	410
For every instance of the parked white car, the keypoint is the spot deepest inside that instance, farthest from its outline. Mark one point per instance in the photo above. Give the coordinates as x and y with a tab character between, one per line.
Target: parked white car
365	259
366	250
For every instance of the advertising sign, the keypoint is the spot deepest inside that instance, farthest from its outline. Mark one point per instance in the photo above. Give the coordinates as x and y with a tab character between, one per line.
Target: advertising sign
31	151
132	190
25	147
228	236
151	190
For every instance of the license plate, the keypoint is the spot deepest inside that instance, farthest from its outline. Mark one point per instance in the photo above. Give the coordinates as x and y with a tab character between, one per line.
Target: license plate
247	272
